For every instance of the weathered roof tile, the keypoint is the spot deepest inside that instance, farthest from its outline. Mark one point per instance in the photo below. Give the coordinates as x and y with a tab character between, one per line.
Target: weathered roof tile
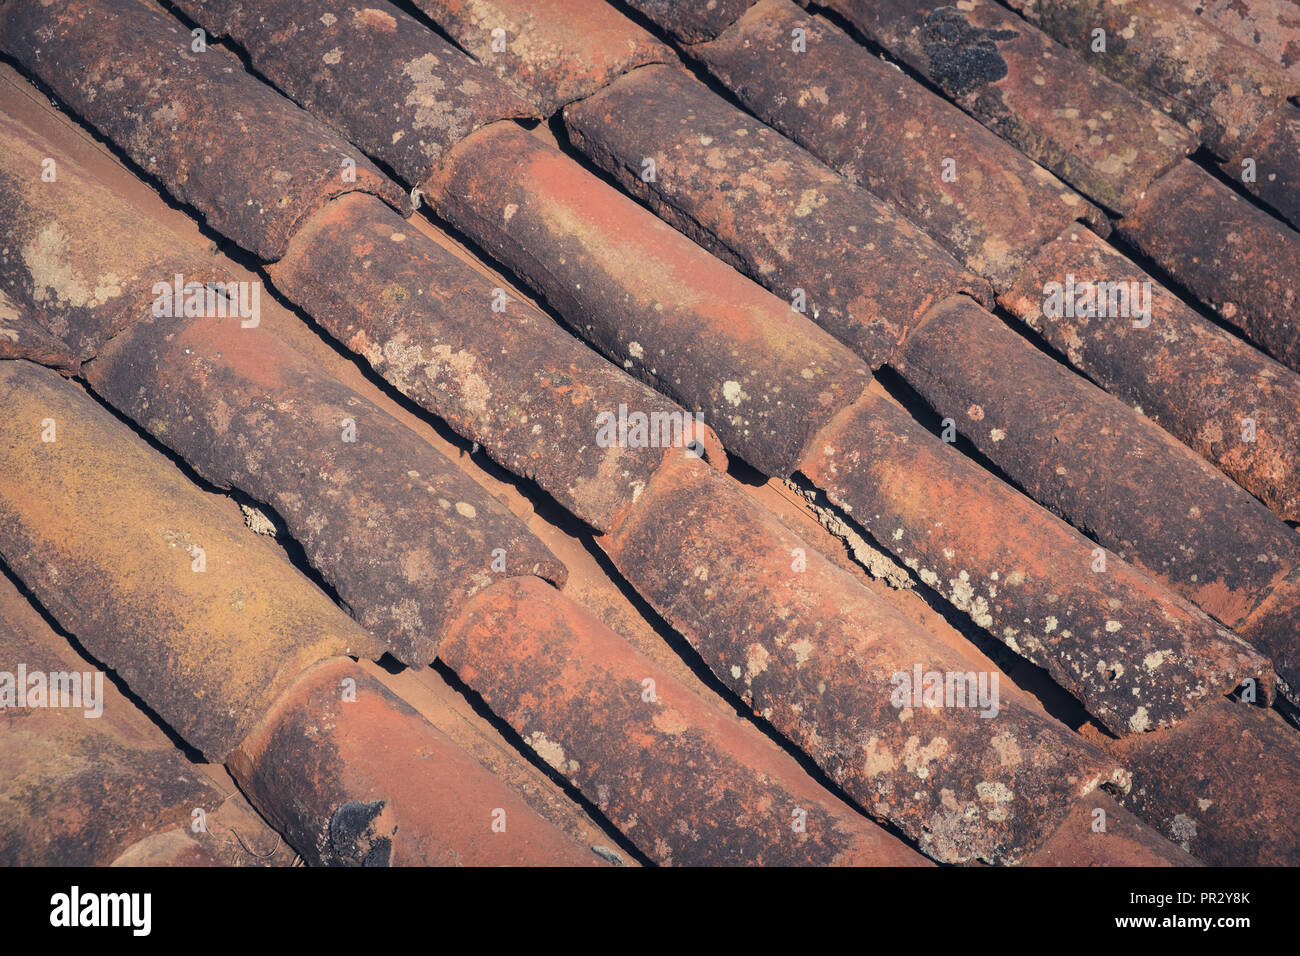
394	88
250	160
344	767
986	202
1221	785
1220	89
401	533
1101	465
1120	840
200	617
1134	655
551	51
1042	97
689	783
1231	255
507	376
353	776
247	411
80	275
1272	156
690	21
23	338
765	205
1223	399
61	761
1270	27
764	377
818	657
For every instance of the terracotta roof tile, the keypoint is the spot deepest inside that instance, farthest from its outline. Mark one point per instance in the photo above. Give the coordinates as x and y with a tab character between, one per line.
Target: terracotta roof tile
255	182
1271	626
370	71
1219	88
687	782
1040	96
483	222
945	367
366	781
98	783
81	276
987	203
59	764
442	704
236	836
1031	424
247	411
1221	785
797	111
753	59
511	380
811	645
551	51
300	838
21	337
1270	27
1124	841
764	377
691	21
648	502
209	650
398	530
1198	382
1233	256
1274	160
811	651
1024	576
763	204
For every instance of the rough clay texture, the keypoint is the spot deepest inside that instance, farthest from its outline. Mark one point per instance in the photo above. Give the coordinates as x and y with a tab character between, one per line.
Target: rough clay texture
686	781
816	654
1159	505
401	533
79	275
253	180
1136	656
981	198
353	776
768	207
1013	78
59	762
388	84
690	21
763	376
511	379
1224	399
1221	785
1118	838
210	649
1221	89
551	51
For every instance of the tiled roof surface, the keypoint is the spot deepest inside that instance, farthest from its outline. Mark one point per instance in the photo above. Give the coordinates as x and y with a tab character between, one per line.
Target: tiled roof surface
813	251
